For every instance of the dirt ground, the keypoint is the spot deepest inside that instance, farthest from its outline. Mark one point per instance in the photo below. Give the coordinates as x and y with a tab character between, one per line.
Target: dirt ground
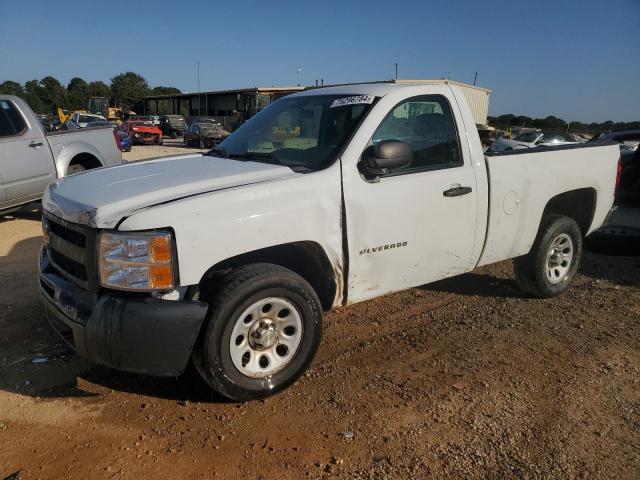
465	378
169	147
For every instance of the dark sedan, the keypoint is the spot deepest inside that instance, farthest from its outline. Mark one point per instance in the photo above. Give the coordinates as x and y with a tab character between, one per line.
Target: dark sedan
204	135
173	126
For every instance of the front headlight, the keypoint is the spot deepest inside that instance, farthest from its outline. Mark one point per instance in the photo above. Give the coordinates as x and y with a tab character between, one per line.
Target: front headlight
141	261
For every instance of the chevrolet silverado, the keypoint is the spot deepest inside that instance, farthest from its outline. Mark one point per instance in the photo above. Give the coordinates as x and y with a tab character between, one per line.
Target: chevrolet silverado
325	198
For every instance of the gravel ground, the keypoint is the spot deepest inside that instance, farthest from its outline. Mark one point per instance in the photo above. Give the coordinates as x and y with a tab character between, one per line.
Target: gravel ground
169	147
464	378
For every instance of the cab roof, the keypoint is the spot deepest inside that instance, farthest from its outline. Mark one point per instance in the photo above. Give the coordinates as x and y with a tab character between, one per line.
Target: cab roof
381	88
375	89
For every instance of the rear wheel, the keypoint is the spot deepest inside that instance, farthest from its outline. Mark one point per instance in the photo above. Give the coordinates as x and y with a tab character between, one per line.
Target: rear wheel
263	329
548	269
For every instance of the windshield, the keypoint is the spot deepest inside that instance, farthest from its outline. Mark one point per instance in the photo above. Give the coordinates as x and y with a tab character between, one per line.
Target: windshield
527	137
87	119
305	131
208	127
140	124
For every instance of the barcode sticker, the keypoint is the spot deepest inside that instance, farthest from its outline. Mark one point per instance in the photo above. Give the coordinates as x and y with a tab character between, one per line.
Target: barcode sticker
353	100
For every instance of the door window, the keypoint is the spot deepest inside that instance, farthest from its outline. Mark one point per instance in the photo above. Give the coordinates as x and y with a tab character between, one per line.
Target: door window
11	121
426	123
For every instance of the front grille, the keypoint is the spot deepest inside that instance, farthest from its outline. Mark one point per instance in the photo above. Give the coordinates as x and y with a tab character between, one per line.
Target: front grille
70	248
48	288
68	265
77	238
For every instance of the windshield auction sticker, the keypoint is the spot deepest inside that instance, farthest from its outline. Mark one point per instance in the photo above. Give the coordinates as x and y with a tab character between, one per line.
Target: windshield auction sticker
353	100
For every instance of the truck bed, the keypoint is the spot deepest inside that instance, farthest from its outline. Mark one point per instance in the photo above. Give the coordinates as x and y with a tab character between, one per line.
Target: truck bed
521	182
96	141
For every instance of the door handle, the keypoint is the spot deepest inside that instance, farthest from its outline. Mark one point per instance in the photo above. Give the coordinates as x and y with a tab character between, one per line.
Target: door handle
35	144
457	191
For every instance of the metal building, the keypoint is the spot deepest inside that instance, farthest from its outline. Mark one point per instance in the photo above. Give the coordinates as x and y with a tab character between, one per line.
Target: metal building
232	107
229	107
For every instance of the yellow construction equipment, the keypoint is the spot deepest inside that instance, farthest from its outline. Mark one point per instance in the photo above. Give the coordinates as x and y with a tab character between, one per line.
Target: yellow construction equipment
100	106
64	115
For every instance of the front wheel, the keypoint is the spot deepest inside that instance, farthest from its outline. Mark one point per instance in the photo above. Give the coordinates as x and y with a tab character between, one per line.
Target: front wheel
262	332
548	269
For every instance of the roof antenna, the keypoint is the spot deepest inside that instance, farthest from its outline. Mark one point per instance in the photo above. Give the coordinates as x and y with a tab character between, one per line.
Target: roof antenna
475	78
396	64
299	72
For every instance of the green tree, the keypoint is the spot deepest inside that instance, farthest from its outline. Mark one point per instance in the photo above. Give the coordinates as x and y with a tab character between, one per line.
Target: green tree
129	87
166	91
53	93
10	87
98	89
34	96
78	93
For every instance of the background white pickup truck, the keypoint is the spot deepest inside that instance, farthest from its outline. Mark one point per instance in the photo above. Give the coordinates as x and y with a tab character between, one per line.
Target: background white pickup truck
31	158
325	198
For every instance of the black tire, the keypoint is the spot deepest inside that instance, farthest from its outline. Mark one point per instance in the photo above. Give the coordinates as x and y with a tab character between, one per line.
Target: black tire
531	269
234	293
76	168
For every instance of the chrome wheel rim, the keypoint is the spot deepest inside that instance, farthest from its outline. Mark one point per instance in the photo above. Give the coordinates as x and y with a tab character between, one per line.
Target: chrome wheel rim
265	337
559	258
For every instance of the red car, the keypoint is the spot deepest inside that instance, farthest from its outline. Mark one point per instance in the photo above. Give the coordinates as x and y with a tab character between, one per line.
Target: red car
141	132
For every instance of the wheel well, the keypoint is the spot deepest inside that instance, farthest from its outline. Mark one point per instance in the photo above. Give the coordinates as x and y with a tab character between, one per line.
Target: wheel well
87	160
578	204
307	259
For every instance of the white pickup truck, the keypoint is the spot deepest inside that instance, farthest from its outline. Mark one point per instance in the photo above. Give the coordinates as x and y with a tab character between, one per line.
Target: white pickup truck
325	198
31	158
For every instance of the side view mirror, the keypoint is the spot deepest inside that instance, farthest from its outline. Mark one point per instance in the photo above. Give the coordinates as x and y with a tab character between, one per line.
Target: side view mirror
384	157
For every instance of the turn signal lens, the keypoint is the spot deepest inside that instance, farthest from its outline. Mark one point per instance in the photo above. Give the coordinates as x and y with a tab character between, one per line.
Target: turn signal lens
160	277
160	248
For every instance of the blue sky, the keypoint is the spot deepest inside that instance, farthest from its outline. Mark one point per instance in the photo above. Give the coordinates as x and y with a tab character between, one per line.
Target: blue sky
579	60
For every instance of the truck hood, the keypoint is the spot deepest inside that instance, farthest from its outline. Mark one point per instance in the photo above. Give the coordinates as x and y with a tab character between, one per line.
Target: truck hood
102	197
148	129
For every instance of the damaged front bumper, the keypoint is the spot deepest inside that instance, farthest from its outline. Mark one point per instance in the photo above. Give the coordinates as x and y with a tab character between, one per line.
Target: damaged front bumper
130	332
145	138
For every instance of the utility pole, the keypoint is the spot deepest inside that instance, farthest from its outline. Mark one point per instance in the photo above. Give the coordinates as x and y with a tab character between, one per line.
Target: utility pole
396	64
299	72
475	78
199	97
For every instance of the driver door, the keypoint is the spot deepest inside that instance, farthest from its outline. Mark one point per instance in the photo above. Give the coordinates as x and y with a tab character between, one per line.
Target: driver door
26	165
417	224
